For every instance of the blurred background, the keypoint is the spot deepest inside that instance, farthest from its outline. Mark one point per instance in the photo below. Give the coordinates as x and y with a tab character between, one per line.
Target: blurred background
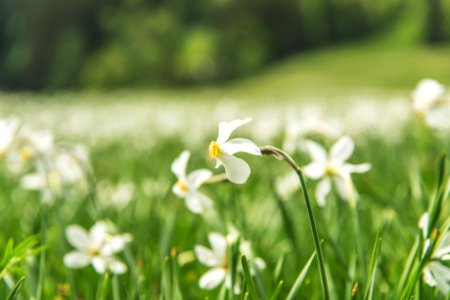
112	44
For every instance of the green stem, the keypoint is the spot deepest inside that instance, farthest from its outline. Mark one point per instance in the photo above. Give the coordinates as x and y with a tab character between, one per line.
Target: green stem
359	246
280	154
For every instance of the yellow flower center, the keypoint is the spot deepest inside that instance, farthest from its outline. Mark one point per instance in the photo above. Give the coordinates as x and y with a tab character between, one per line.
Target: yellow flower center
182	186
214	150
94	251
330	170
25	154
54	181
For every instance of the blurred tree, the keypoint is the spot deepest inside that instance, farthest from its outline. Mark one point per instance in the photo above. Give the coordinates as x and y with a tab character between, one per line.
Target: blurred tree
99	43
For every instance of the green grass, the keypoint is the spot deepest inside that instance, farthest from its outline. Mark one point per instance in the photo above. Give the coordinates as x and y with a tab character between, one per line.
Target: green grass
135	135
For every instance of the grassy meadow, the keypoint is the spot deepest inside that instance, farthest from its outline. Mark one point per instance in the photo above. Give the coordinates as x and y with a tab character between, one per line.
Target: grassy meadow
372	248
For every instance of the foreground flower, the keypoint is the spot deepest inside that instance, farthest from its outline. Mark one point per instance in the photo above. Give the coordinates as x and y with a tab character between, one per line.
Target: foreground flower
96	247
217	258
187	185
223	150
429	102
436	273
332	167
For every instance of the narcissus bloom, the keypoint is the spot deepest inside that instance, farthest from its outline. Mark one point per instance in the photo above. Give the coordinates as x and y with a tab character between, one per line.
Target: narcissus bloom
96	247
332	167
223	150
429	102
436	273
187	185
217	258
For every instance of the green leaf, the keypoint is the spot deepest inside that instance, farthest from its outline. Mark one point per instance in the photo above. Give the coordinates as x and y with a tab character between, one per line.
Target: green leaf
277	290
15	292
373	268
299	281
248	278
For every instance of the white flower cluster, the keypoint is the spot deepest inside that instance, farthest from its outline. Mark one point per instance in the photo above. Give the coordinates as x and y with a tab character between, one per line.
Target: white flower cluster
49	167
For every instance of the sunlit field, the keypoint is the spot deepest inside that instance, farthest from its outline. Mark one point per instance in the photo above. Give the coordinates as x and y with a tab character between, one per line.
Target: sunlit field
141	195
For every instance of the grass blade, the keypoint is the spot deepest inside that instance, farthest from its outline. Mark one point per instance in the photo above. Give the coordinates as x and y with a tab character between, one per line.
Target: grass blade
15	292
368	295
277	290
299	281
248	278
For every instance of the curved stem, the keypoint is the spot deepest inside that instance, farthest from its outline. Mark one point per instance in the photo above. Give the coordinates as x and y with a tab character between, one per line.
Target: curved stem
281	155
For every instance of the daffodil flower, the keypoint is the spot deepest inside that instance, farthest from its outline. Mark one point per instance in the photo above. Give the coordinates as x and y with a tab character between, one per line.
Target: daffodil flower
436	273
96	247
332	167
430	103
60	170
223	150
217	258
187	185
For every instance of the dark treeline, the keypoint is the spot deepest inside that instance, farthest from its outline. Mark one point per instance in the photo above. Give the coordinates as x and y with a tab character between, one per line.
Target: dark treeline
52	44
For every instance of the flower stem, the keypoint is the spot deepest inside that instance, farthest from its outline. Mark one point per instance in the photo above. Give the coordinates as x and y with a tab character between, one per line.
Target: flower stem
281	155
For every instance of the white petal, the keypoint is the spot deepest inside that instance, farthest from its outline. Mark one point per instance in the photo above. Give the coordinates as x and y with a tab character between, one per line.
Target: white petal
315	151
115	244
259	263
237	170
426	92
219	244
322	190
76	260
117	267
198	177
443	249
240	145
342	149
438	116
99	264
77	237
441	275
314	170
206	256
360	168
212	278
36	181
428	277
179	164
423	224
98	234
197	202
345	188
226	128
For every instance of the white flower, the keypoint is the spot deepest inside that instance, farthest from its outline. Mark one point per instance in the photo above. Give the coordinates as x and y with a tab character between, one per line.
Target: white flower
96	247
435	272
187	185
297	129
8	131
429	102
287	184
53	174
223	151
332	166
118	196
217	258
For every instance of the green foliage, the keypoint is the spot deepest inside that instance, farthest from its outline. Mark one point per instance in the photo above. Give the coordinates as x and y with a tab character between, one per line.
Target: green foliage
133	43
